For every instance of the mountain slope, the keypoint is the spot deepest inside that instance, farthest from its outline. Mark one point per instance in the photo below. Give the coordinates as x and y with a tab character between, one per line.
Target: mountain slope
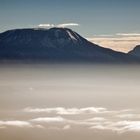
135	51
55	44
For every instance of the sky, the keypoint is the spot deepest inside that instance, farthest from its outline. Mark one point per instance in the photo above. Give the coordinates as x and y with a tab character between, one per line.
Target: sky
99	20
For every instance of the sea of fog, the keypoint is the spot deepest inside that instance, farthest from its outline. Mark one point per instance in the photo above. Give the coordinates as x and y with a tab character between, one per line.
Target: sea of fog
69	102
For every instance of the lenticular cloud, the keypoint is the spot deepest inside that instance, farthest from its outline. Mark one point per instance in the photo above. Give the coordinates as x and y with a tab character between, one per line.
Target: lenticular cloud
63	25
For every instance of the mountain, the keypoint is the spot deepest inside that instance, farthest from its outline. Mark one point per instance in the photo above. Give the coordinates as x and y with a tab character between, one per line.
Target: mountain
55	44
135	51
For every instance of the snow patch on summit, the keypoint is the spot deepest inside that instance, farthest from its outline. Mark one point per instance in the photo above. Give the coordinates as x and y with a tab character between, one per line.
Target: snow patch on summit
71	36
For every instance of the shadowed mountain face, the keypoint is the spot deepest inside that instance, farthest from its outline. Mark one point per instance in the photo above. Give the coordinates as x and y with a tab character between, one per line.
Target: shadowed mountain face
55	44
135	51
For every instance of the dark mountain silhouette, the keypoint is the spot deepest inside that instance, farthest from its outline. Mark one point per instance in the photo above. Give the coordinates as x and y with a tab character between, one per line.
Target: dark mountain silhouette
135	52
55	44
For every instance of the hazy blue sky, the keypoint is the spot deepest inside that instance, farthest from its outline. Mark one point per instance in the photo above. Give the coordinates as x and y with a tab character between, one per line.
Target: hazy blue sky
94	16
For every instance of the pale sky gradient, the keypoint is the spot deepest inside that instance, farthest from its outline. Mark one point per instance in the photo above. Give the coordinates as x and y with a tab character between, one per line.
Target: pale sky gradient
94	17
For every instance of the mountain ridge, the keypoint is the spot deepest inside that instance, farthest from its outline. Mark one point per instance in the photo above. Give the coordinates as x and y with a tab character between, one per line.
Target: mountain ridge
55	44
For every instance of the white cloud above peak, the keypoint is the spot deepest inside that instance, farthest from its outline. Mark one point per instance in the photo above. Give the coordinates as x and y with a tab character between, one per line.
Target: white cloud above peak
63	25
67	24
45	25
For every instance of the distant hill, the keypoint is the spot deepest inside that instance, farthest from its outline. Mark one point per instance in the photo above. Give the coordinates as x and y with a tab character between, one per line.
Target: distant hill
55	44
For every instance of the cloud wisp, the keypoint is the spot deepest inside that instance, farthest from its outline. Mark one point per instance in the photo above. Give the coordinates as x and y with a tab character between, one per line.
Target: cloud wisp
46	25
89	118
63	25
49	119
128	34
119	121
67	24
16	123
91	124
67	111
